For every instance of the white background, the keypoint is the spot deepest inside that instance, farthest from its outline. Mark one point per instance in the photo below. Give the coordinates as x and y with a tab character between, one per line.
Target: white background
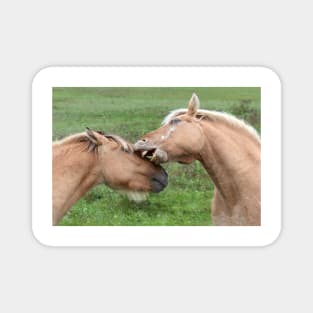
51	77
35	34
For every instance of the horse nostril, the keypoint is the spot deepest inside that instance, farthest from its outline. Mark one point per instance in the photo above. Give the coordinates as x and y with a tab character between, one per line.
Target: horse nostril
140	144
164	172
159	181
163	177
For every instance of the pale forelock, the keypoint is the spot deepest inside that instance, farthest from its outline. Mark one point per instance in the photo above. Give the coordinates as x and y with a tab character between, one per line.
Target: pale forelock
216	116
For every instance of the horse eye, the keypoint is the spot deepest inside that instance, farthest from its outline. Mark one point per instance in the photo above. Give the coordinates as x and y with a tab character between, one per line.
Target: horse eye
175	121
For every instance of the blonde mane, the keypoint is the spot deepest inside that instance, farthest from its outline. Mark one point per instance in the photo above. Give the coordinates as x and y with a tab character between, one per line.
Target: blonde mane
223	117
83	138
126	146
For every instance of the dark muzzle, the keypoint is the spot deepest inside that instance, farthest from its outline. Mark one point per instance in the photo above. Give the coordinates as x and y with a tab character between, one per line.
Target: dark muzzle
159	181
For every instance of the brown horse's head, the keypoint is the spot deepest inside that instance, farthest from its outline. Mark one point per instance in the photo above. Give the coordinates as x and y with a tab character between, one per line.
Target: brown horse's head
179	139
120	167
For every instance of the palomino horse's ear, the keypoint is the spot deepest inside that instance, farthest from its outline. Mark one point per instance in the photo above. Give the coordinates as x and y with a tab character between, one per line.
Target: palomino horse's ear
93	137
193	105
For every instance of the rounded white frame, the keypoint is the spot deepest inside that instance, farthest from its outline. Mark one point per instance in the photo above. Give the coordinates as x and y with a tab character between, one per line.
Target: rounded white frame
51	77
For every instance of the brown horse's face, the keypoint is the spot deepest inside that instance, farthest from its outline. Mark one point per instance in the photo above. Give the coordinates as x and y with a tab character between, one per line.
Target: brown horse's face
126	170
180	139
129	172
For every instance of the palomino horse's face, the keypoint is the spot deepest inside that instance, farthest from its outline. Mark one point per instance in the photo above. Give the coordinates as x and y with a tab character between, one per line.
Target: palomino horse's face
123	169
180	139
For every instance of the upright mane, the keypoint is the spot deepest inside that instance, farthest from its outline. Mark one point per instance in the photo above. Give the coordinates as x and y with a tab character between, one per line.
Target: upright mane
223	117
90	146
126	146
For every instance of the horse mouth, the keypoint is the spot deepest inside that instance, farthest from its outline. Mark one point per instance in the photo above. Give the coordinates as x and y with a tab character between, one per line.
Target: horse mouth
149	151
154	155
148	154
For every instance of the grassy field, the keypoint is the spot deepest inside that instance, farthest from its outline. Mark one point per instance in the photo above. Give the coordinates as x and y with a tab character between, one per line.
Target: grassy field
130	113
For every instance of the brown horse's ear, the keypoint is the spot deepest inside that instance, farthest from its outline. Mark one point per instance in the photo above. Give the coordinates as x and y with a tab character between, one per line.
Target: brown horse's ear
94	137
193	105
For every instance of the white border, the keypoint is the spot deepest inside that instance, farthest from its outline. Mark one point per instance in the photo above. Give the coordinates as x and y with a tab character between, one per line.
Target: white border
50	77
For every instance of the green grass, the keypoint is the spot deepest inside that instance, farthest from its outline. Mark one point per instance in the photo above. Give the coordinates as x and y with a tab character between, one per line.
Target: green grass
130	113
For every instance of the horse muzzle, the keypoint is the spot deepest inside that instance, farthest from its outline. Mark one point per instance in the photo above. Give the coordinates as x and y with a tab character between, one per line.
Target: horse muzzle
159	181
151	152
159	156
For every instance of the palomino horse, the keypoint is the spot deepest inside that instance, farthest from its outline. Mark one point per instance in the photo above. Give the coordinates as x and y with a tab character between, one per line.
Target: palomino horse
84	160
229	150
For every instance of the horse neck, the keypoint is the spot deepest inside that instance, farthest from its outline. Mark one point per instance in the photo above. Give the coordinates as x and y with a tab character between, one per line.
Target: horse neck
74	173
232	159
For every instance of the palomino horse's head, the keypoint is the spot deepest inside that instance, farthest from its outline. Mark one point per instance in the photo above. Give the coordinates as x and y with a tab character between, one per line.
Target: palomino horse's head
122	168
179	139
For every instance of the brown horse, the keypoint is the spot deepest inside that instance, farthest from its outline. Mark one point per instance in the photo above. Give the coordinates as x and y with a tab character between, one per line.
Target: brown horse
229	150
84	160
